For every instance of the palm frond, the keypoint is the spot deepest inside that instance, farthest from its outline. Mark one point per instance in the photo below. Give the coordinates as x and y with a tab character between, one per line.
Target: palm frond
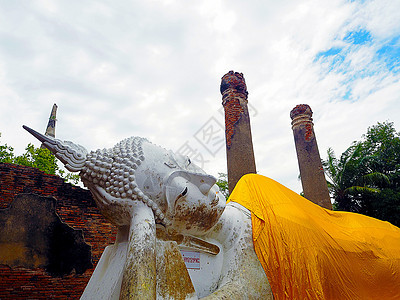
330	165
374	179
353	190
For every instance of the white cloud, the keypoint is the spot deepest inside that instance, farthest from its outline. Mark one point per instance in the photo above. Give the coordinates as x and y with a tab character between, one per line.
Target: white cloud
153	68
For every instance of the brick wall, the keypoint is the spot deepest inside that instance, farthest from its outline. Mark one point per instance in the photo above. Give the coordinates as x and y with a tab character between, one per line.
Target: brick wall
76	208
233	113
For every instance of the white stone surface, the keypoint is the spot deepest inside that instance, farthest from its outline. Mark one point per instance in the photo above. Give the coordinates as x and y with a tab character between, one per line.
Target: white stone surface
139	187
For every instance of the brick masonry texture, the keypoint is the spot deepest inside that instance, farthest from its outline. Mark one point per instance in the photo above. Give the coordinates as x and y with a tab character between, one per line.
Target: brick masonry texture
233	89
301	109
233	113
75	207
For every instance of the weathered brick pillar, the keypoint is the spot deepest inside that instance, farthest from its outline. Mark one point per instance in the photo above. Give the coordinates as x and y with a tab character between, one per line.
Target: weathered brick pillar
239	145
311	171
51	126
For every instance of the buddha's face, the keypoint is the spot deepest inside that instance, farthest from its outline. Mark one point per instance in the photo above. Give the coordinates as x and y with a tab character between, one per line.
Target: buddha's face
184	194
194	201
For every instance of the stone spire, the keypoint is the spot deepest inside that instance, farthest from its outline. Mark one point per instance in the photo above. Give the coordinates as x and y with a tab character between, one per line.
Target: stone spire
239	145
311	171
51	126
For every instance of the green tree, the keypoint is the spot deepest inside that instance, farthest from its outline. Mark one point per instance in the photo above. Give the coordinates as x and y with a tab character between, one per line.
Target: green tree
366	178
39	158
222	182
6	153
383	142
350	179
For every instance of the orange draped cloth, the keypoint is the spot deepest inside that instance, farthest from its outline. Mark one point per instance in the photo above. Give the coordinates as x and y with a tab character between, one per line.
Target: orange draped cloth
309	252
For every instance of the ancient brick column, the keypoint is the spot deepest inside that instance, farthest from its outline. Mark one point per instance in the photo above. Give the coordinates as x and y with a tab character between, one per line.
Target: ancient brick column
312	174
239	145
51	126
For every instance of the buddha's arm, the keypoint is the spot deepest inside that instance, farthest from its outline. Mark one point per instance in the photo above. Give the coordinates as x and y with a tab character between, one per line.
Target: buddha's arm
139	277
242	276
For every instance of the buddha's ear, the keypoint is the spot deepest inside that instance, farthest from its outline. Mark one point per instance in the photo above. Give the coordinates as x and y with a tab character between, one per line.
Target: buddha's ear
179	179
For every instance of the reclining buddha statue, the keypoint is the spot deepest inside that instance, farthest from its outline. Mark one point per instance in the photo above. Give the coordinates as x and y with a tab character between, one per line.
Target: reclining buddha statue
161	203
178	238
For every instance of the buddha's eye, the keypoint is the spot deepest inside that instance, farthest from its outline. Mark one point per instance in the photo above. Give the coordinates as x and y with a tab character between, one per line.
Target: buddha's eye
184	192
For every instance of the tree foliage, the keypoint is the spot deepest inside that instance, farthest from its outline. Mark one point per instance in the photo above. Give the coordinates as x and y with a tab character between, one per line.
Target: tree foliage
39	158
222	182
350	179
366	177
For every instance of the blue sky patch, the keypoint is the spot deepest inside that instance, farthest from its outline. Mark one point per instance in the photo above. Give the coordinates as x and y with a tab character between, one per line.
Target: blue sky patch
390	54
359	37
347	95
360	1
330	52
387	56
334	56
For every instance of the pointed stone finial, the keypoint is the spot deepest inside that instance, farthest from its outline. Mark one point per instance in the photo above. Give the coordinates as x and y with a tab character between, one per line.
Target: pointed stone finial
51	125
312	175
239	145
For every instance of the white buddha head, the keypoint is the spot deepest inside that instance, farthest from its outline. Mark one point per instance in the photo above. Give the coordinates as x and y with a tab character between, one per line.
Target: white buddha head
183	197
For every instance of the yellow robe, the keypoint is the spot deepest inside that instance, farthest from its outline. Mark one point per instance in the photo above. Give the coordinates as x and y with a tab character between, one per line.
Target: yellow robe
309	252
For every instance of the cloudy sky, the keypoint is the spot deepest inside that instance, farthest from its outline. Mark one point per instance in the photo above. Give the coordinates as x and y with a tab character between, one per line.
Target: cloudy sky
153	68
